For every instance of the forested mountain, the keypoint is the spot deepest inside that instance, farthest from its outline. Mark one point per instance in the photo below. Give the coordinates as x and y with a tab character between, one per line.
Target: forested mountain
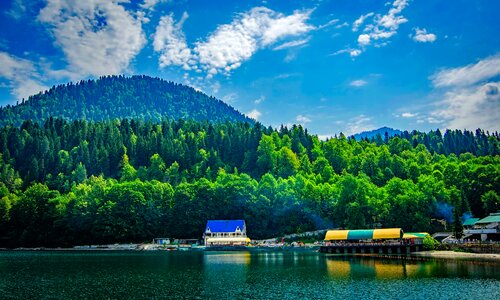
67	183
121	97
373	133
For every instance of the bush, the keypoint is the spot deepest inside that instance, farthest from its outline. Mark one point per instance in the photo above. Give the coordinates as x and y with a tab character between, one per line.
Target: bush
430	243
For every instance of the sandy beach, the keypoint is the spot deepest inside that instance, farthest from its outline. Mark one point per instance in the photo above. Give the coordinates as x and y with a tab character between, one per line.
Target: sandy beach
458	255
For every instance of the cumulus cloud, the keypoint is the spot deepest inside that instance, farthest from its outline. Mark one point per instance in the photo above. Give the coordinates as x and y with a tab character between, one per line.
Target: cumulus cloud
254	114
381	27
302	119
422	36
170	41
231	44
470	95
364	39
354	52
21	74
97	37
358	83
150	4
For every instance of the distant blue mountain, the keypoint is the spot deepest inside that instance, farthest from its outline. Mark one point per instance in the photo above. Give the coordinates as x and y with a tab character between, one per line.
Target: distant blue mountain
373	133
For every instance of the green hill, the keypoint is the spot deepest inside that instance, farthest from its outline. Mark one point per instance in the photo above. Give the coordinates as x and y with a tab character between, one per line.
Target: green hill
121	97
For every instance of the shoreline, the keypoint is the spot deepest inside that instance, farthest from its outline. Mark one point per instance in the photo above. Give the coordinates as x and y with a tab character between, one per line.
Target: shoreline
436	254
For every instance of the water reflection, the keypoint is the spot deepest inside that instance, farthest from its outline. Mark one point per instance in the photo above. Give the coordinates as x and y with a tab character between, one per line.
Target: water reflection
341	268
236	258
237	275
222	270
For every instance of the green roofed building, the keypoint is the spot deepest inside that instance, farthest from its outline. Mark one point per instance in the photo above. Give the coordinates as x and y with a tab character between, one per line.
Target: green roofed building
470	222
486	229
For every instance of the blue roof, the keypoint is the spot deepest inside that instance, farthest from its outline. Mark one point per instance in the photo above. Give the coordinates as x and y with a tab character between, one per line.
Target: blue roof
225	225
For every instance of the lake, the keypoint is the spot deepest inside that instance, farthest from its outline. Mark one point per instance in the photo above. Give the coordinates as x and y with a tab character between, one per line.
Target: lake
238	275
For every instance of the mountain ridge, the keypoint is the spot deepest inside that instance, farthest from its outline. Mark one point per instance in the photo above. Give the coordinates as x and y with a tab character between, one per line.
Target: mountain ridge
373	133
111	97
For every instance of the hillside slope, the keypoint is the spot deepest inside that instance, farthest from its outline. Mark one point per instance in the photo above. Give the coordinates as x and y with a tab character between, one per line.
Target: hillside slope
121	97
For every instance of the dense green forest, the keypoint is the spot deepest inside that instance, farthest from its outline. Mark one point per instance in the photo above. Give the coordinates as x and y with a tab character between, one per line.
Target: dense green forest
78	182
120	97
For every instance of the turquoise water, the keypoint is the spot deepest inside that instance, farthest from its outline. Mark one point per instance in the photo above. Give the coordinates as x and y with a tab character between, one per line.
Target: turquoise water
238	275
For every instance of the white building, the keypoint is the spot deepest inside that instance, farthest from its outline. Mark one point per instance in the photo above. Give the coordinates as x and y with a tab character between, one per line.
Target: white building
225	233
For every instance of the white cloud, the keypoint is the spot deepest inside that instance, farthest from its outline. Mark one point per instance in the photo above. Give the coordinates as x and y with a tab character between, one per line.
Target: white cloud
468	75
170	41
303	119
254	114
358	83
22	75
18	9
292	44
359	124
471	97
97	37
215	86
364	39
231	44
351	51
408	115
471	107
354	52
382	27
345	24
422	36
259	100
329	23
324	137
360	21
291	55
150	4
230	98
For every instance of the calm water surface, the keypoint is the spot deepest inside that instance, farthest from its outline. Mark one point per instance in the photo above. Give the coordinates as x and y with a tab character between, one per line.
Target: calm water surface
238	275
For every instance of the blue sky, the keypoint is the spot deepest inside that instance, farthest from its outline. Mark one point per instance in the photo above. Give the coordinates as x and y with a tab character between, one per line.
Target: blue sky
332	66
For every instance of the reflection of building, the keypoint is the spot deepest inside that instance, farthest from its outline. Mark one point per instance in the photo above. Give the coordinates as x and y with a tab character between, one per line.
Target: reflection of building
486	229
225	232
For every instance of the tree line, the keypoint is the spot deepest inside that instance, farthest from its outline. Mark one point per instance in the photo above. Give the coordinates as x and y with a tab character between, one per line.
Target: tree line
80	182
